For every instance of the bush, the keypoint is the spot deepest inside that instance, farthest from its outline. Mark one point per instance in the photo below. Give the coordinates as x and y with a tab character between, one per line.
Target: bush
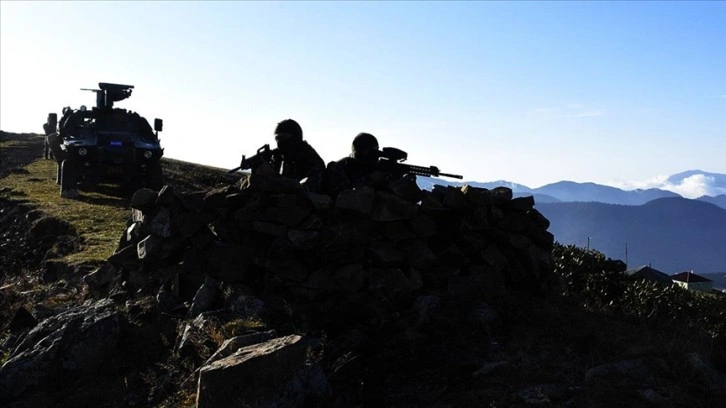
600	284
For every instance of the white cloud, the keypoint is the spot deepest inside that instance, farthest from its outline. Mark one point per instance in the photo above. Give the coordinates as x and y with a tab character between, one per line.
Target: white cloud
690	187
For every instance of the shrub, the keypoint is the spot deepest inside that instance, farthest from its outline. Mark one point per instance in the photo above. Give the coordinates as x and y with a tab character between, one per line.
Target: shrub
599	283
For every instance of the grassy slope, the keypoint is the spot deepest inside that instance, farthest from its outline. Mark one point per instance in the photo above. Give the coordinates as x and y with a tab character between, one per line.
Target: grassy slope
100	214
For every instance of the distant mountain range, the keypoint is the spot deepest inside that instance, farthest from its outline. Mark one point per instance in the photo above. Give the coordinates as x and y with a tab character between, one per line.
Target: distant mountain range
670	234
570	191
659	226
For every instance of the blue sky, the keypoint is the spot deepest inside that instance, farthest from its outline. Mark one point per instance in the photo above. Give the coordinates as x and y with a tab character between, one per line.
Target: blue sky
617	93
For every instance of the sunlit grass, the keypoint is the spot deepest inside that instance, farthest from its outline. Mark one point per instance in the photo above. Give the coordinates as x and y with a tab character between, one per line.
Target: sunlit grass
97	217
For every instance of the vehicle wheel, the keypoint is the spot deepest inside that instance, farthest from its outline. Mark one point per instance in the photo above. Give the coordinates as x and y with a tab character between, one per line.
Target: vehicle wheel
154	176
68	178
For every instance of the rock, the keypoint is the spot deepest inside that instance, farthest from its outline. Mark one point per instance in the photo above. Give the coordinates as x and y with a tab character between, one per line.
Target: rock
269	228
288	270
494	257
247	307
123	255
49	227
646	369
205	298
522	203
389	207
482	314
230	346
320	201
102	275
303	239
476	196
252	374
154	248
501	195
390	281
478	220
290	216
423	226
359	201
653	396
545	394
159	223
168	301
418	254
703	370
490	368
351	278
187	223
21	320
383	253
143	199
193	201
63	347
432	201
406	188
165	196
538	218
424	309
454	198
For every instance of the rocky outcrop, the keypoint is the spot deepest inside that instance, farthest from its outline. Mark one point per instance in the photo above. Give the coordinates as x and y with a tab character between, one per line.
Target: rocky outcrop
275	373
68	345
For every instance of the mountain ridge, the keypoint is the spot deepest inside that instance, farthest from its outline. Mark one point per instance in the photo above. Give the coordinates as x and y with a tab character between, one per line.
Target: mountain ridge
571	191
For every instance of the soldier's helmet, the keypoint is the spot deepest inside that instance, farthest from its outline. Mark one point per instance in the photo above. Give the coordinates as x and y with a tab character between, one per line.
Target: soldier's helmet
364	145
288	129
288	135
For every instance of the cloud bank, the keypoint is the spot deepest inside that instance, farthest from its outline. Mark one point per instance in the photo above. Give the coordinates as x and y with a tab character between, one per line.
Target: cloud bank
694	186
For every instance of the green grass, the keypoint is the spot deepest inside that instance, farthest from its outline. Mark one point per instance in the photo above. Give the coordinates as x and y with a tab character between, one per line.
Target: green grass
98	216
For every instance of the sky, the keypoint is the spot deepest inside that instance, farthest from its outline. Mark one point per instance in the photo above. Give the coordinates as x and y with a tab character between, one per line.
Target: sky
617	93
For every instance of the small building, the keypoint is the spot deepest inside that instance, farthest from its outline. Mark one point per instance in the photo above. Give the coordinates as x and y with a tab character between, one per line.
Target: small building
645	272
691	281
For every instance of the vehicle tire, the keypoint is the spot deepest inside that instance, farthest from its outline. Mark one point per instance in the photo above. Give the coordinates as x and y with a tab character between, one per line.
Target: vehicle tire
68	176
154	176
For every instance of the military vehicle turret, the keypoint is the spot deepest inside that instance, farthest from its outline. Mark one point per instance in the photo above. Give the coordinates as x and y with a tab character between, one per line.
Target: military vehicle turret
104	144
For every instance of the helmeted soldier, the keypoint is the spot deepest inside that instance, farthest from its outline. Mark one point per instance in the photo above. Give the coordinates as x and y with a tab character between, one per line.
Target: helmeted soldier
295	157
359	169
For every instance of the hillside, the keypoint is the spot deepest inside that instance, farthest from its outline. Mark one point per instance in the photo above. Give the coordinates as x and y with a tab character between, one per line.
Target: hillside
672	234
127	335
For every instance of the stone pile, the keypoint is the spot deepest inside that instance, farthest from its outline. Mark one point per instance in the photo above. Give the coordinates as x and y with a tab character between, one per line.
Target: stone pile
267	232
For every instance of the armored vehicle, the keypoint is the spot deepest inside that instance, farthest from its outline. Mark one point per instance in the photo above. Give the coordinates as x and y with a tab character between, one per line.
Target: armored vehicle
104	144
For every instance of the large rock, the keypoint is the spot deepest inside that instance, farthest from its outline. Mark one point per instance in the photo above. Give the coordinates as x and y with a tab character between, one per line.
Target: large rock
61	348
253	376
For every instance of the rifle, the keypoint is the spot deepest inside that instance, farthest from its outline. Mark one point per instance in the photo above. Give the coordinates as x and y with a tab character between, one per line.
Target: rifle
264	155
390	160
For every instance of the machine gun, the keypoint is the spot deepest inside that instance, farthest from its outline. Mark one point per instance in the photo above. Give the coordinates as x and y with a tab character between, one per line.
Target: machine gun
390	160
110	93
264	155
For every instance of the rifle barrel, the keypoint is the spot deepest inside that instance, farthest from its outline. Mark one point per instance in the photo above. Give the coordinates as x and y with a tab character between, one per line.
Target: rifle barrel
456	176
